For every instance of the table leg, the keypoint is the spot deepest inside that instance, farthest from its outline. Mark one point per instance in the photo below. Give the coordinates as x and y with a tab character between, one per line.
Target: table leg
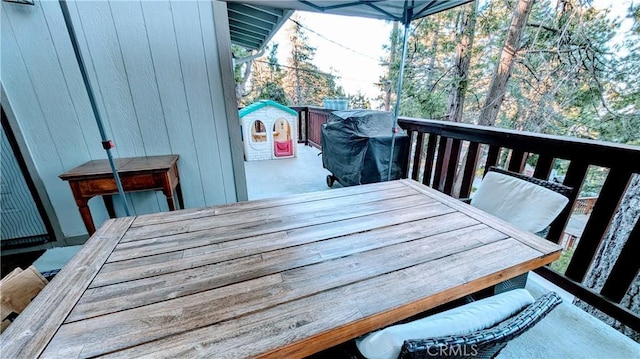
85	213
170	200
108	202
179	194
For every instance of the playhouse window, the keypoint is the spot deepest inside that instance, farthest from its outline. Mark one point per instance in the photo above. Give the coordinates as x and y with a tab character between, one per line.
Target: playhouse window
258	131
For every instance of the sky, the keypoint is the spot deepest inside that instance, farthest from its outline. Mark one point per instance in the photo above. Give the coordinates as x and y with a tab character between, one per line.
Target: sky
357	61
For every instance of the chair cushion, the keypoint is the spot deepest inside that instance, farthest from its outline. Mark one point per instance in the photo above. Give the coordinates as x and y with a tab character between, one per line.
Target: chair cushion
485	313
524	204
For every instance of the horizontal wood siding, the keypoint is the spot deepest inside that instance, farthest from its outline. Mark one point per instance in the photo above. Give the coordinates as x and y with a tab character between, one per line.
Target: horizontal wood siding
157	77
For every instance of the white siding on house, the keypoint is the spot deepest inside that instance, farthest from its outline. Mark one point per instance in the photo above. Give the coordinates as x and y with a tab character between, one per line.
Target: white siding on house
155	69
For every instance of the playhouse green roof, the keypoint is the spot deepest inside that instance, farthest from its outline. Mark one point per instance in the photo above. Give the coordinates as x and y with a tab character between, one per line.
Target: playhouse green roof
264	103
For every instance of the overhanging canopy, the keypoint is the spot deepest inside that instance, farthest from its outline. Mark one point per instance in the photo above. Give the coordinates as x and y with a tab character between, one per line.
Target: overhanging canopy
253	25
392	10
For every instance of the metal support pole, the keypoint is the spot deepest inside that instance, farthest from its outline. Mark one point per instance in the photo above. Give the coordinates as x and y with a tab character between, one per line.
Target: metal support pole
106	143
396	109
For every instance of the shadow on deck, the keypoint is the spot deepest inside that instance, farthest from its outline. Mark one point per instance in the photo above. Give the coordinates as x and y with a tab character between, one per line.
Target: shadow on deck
568	332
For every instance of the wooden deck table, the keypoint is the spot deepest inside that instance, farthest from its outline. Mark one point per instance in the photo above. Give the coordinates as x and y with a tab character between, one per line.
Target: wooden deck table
94	178
280	278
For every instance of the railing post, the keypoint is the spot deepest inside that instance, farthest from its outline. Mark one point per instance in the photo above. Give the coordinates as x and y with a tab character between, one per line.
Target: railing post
596	228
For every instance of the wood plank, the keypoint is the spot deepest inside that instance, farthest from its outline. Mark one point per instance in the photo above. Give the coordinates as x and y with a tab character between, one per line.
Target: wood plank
136	326
212	253
576	174
30	333
75	87
109	76
164	54
193	213
596	228
158	164
269	333
417	157
452	166
517	161
492	158
240	267
193	64
183	239
428	164
599	153
527	238
470	167
544	166
189	239
442	163
260	215
131	32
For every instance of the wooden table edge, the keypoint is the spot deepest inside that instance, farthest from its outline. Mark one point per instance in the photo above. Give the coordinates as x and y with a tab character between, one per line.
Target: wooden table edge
309	345
29	335
121	168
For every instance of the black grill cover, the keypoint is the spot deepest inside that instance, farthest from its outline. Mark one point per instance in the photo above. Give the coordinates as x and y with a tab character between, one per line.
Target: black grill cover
356	145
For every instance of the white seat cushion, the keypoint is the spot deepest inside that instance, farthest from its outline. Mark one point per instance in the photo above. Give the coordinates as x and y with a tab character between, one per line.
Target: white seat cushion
485	313
524	204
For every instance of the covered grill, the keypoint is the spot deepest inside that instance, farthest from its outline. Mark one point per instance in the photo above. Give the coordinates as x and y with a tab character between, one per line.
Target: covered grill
357	145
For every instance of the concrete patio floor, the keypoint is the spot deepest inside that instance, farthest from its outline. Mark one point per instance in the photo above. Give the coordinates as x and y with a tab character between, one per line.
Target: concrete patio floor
567	332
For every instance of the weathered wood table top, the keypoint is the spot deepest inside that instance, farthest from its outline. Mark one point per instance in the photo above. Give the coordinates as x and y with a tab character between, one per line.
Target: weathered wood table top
283	277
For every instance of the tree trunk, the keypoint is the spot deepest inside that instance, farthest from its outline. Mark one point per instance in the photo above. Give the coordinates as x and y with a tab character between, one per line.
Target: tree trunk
625	218
432	62
498	86
466	25
392	61
241	86
466	30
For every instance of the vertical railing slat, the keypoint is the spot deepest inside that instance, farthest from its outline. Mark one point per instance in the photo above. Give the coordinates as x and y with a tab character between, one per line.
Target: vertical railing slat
575	176
428	163
544	167
596	228
517	161
452	165
492	157
417	156
441	163
470	166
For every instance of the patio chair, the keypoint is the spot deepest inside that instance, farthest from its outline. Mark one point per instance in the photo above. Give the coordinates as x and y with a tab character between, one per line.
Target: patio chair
528	203
480	329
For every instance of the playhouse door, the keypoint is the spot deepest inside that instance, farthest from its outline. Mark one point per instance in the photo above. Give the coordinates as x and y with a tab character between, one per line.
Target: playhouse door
282	142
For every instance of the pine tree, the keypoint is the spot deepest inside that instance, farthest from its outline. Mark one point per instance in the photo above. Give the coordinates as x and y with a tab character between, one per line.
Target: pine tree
268	78
497	89
305	84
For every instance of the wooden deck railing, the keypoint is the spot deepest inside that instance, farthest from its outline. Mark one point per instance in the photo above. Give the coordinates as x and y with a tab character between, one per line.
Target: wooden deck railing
584	205
448	156
310	120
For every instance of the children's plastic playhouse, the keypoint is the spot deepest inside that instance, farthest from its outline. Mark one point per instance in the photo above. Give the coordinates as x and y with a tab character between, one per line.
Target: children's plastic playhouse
268	131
